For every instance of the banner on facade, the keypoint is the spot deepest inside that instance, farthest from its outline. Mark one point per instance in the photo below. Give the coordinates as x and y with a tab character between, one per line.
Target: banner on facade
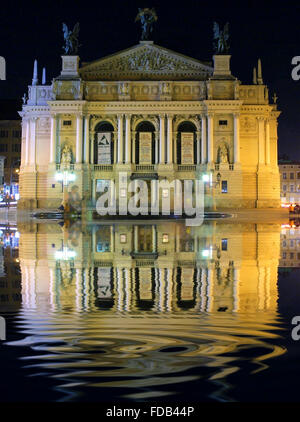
145	139
187	148
104	147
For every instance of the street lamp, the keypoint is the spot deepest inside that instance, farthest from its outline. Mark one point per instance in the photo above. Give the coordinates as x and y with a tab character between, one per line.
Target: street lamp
208	178
65	177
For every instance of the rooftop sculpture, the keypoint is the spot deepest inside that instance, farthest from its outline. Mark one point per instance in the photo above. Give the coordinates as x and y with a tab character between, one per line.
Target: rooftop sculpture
147	17
71	39
221	38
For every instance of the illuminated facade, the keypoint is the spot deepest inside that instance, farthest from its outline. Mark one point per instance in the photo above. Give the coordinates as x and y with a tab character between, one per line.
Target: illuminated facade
156	115
290	247
290	182
163	267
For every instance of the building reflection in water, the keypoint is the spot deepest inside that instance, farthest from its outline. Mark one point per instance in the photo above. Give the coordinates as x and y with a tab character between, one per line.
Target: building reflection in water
164	267
149	300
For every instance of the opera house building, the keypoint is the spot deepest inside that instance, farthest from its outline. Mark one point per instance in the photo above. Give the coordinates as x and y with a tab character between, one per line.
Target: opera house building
152	114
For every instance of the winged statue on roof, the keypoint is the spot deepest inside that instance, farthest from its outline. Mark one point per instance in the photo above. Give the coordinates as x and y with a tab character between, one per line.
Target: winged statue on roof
221	38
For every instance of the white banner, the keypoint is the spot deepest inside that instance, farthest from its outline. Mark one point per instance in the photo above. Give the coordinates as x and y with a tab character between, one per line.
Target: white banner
145	139
104	283
187	148
104	147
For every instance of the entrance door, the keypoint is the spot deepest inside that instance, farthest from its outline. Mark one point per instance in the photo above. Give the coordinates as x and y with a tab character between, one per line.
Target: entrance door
145	243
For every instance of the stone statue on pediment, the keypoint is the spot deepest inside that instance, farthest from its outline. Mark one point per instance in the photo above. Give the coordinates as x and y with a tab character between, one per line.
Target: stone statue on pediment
147	17
71	39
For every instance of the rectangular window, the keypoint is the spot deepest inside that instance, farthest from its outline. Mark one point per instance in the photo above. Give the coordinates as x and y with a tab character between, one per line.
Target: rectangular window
16	148
3	133
224	186
291	255
3	148
291	188
284	175
291	243
291	175
298	255
67	122
284	255
284	188
298	175
222	122
16	134
224	244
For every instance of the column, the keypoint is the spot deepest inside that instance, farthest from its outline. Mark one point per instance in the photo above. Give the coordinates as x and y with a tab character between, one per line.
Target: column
115	147
268	160
236	138
112	238
203	139
120	138
154	239
87	139
198	140
92	137
156	147
169	139
127	140
52	138
133	136
162	139
175	146
210	138
135	238
79	138
261	141
27	141
32	150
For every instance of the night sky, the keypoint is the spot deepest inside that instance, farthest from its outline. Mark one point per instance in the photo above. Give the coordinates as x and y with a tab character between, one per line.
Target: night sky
268	30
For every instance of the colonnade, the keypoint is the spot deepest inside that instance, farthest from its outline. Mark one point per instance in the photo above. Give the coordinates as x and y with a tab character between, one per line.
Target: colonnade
165	140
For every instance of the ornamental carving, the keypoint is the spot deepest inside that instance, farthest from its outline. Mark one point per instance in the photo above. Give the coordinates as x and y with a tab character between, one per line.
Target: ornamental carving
96	118
44	123
248	124
147	59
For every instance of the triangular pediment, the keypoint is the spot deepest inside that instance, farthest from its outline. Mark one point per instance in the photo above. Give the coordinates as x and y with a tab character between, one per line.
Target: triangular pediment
146	61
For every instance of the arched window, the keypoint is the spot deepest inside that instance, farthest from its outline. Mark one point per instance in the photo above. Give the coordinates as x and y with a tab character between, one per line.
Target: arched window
186	143
104	143
145	143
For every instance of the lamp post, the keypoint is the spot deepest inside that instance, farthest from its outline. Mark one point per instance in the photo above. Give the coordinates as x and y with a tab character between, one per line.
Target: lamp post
65	177
208	178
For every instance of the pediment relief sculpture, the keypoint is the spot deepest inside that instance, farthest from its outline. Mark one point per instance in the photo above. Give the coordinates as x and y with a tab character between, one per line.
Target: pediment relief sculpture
145	59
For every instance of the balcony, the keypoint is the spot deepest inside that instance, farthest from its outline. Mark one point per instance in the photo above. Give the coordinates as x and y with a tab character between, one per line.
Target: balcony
103	167
144	255
186	167
145	167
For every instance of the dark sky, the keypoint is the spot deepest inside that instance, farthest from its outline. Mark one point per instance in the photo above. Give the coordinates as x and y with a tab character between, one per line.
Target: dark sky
268	30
